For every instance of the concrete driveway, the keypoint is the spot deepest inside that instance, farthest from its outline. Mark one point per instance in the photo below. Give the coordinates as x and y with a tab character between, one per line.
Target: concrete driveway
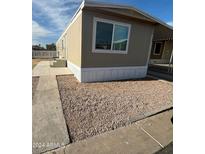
49	130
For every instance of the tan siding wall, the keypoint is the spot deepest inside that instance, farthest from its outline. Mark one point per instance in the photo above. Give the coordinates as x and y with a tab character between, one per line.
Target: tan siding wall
162	33
139	44
61	51
167	50
75	42
72	42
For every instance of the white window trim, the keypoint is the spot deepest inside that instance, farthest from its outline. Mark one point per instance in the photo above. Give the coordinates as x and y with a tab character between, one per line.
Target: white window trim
94	50
155	48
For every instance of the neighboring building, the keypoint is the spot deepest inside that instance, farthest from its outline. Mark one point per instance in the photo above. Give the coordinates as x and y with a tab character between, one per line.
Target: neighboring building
162	46
108	42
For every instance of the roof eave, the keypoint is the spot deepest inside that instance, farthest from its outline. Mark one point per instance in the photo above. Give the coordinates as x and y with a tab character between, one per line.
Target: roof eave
97	4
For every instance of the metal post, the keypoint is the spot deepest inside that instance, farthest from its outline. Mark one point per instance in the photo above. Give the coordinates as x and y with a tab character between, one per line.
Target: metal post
170	60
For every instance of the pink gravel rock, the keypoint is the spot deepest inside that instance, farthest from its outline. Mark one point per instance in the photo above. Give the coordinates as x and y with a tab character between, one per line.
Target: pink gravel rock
94	108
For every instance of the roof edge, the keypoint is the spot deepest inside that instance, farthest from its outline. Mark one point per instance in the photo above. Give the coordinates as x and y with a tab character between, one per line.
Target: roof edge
100	4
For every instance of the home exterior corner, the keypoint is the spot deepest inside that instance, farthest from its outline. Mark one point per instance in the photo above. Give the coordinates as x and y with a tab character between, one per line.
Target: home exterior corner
107	42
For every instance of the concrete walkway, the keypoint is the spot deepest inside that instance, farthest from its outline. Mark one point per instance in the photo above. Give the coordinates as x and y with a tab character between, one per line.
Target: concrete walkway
43	69
143	137
49	129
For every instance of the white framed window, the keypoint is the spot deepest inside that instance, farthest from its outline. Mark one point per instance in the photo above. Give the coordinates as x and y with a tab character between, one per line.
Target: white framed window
157	48
110	36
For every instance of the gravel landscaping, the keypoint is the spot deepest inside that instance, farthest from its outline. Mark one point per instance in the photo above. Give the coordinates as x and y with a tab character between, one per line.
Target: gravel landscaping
94	108
34	85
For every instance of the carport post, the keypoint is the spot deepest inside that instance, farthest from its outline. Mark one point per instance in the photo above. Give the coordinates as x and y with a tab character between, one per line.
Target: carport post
170	60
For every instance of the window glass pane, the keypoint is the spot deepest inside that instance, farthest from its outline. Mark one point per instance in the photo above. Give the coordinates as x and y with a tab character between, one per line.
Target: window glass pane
120	37
103	35
157	48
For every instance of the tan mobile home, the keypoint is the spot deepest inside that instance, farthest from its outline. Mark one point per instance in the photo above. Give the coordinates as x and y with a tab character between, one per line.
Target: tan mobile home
108	42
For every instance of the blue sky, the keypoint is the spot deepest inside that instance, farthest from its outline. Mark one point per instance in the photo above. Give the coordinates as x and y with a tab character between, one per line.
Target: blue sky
50	17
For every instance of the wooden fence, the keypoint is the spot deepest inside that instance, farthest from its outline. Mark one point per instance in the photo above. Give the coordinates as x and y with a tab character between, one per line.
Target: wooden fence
44	54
